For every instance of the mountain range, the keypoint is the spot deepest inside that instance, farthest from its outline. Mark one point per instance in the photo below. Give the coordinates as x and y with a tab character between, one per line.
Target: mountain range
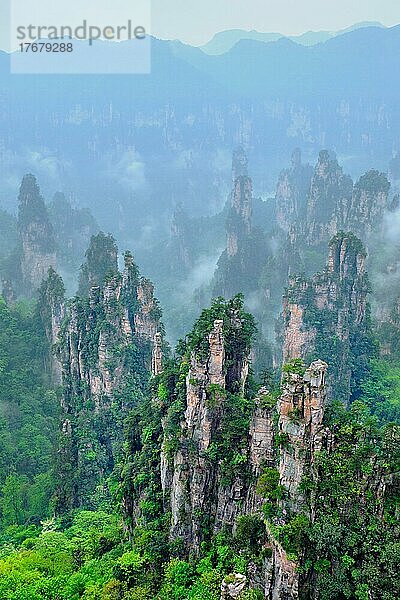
132	147
223	41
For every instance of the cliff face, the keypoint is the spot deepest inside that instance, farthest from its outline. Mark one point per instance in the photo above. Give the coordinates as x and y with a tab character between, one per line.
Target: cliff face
313	207
51	307
239	220
301	411
370	200
239	266
212	479
239	163
147	318
195	489
336	204
300	415
108	344
327	316
221	456
180	242
292	192
38	252
328	201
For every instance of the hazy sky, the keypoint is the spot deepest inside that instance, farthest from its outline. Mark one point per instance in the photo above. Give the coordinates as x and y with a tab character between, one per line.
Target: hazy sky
196	21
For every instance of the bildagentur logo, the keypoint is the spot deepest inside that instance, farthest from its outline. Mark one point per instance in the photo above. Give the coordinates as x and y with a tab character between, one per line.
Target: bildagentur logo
85	37
85	31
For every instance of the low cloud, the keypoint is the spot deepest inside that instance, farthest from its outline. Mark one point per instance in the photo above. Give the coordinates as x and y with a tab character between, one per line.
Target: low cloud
129	171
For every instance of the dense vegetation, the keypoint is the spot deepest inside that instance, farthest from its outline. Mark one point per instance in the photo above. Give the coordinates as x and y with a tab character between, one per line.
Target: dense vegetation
348	550
29	419
83	512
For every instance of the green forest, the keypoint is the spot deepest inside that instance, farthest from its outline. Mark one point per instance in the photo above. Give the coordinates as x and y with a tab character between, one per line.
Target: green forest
254	455
350	548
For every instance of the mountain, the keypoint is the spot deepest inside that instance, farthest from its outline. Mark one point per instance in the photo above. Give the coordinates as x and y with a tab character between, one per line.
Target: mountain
283	68
148	142
225	40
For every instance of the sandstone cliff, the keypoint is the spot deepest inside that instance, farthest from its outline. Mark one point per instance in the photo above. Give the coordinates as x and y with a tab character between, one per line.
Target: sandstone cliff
239	220
239	163
239	266
108	345
180	242
312	208
292	192
201	486
37	244
328	200
51	308
327	316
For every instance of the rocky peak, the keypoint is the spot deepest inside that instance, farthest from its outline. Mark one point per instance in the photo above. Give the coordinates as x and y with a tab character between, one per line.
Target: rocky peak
194	485
331	305
296	158
301	411
31	206
239	220
101	259
51	307
291	193
370	200
328	201
335	204
180	238
239	163
37	237
73	228
147	318
109	342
